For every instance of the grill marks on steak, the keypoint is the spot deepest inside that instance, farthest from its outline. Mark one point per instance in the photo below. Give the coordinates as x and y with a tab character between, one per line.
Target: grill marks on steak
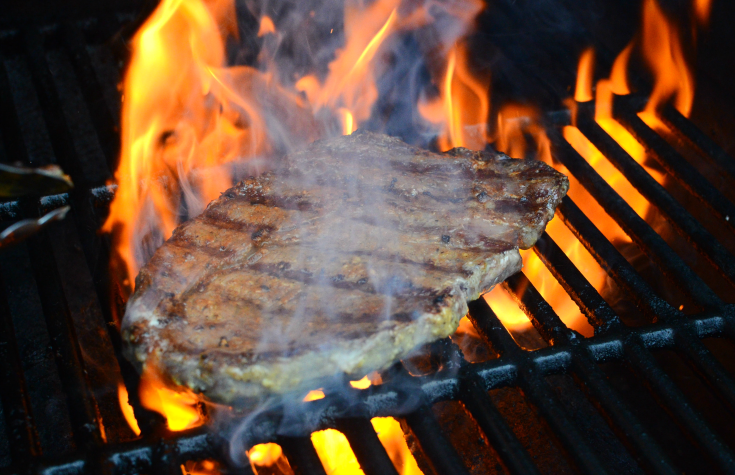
343	259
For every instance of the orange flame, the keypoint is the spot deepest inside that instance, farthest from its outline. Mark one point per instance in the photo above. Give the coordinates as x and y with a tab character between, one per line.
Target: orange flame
180	407
585	76
269	455
702	9
314	395
127	409
462	108
266	26
661	47
337	457
205	467
181	118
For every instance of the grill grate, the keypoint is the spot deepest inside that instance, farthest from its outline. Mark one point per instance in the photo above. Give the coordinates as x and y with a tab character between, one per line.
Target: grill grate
60	359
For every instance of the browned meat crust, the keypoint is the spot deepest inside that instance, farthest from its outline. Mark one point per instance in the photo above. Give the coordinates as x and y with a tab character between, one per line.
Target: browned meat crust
349	255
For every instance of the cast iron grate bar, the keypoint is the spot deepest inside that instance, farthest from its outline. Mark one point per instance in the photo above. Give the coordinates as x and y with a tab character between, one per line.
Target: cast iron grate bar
656	194
641	232
625	111
676	121
369	452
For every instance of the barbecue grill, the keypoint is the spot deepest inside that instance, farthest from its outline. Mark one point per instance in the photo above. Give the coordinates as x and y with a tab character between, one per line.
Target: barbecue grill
619	401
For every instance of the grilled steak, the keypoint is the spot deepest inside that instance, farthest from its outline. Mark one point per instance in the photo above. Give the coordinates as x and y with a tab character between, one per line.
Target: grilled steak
342	260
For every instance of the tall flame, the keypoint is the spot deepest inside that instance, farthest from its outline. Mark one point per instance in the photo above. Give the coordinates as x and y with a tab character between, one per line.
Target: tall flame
179	115
462	109
585	76
662	49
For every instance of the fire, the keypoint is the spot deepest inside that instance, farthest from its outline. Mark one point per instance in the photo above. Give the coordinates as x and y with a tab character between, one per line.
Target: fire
462	109
188	117
702	9
179	407
126	408
268	456
338	459
585	76
663	52
205	467
313	395
266	26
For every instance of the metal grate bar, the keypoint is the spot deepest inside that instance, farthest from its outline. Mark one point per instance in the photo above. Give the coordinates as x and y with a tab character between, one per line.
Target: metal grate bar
48	401
15	149
102	117
23	439
532	383
709	368
673	162
96	354
640	231
610	259
592	305
592	378
619	416
497	431
80	404
543	317
671	397
366	446
656	194
437	448
676	121
301	455
50	105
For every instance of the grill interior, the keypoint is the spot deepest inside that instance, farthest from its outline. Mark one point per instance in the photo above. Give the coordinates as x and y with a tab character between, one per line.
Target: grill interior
654	393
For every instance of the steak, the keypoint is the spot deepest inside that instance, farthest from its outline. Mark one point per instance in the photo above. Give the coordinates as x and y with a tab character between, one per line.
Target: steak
341	260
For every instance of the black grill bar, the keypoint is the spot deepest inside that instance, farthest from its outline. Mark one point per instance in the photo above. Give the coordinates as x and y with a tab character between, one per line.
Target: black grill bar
302	455
434	444
677	122
656	194
672	398
368	450
592	305
619	416
23	439
531	382
500	436
590	376
640	231
102	117
612	261
677	166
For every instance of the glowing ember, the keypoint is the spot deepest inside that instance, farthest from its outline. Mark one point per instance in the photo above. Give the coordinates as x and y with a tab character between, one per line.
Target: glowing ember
364	383
205	467
335	453
313	395
266	26
338	459
269	455
391	436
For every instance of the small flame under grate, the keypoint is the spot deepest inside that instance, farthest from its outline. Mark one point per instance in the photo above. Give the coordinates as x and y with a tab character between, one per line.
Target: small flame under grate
617	400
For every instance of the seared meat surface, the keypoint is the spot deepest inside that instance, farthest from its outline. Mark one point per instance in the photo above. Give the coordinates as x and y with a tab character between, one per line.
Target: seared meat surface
344	258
